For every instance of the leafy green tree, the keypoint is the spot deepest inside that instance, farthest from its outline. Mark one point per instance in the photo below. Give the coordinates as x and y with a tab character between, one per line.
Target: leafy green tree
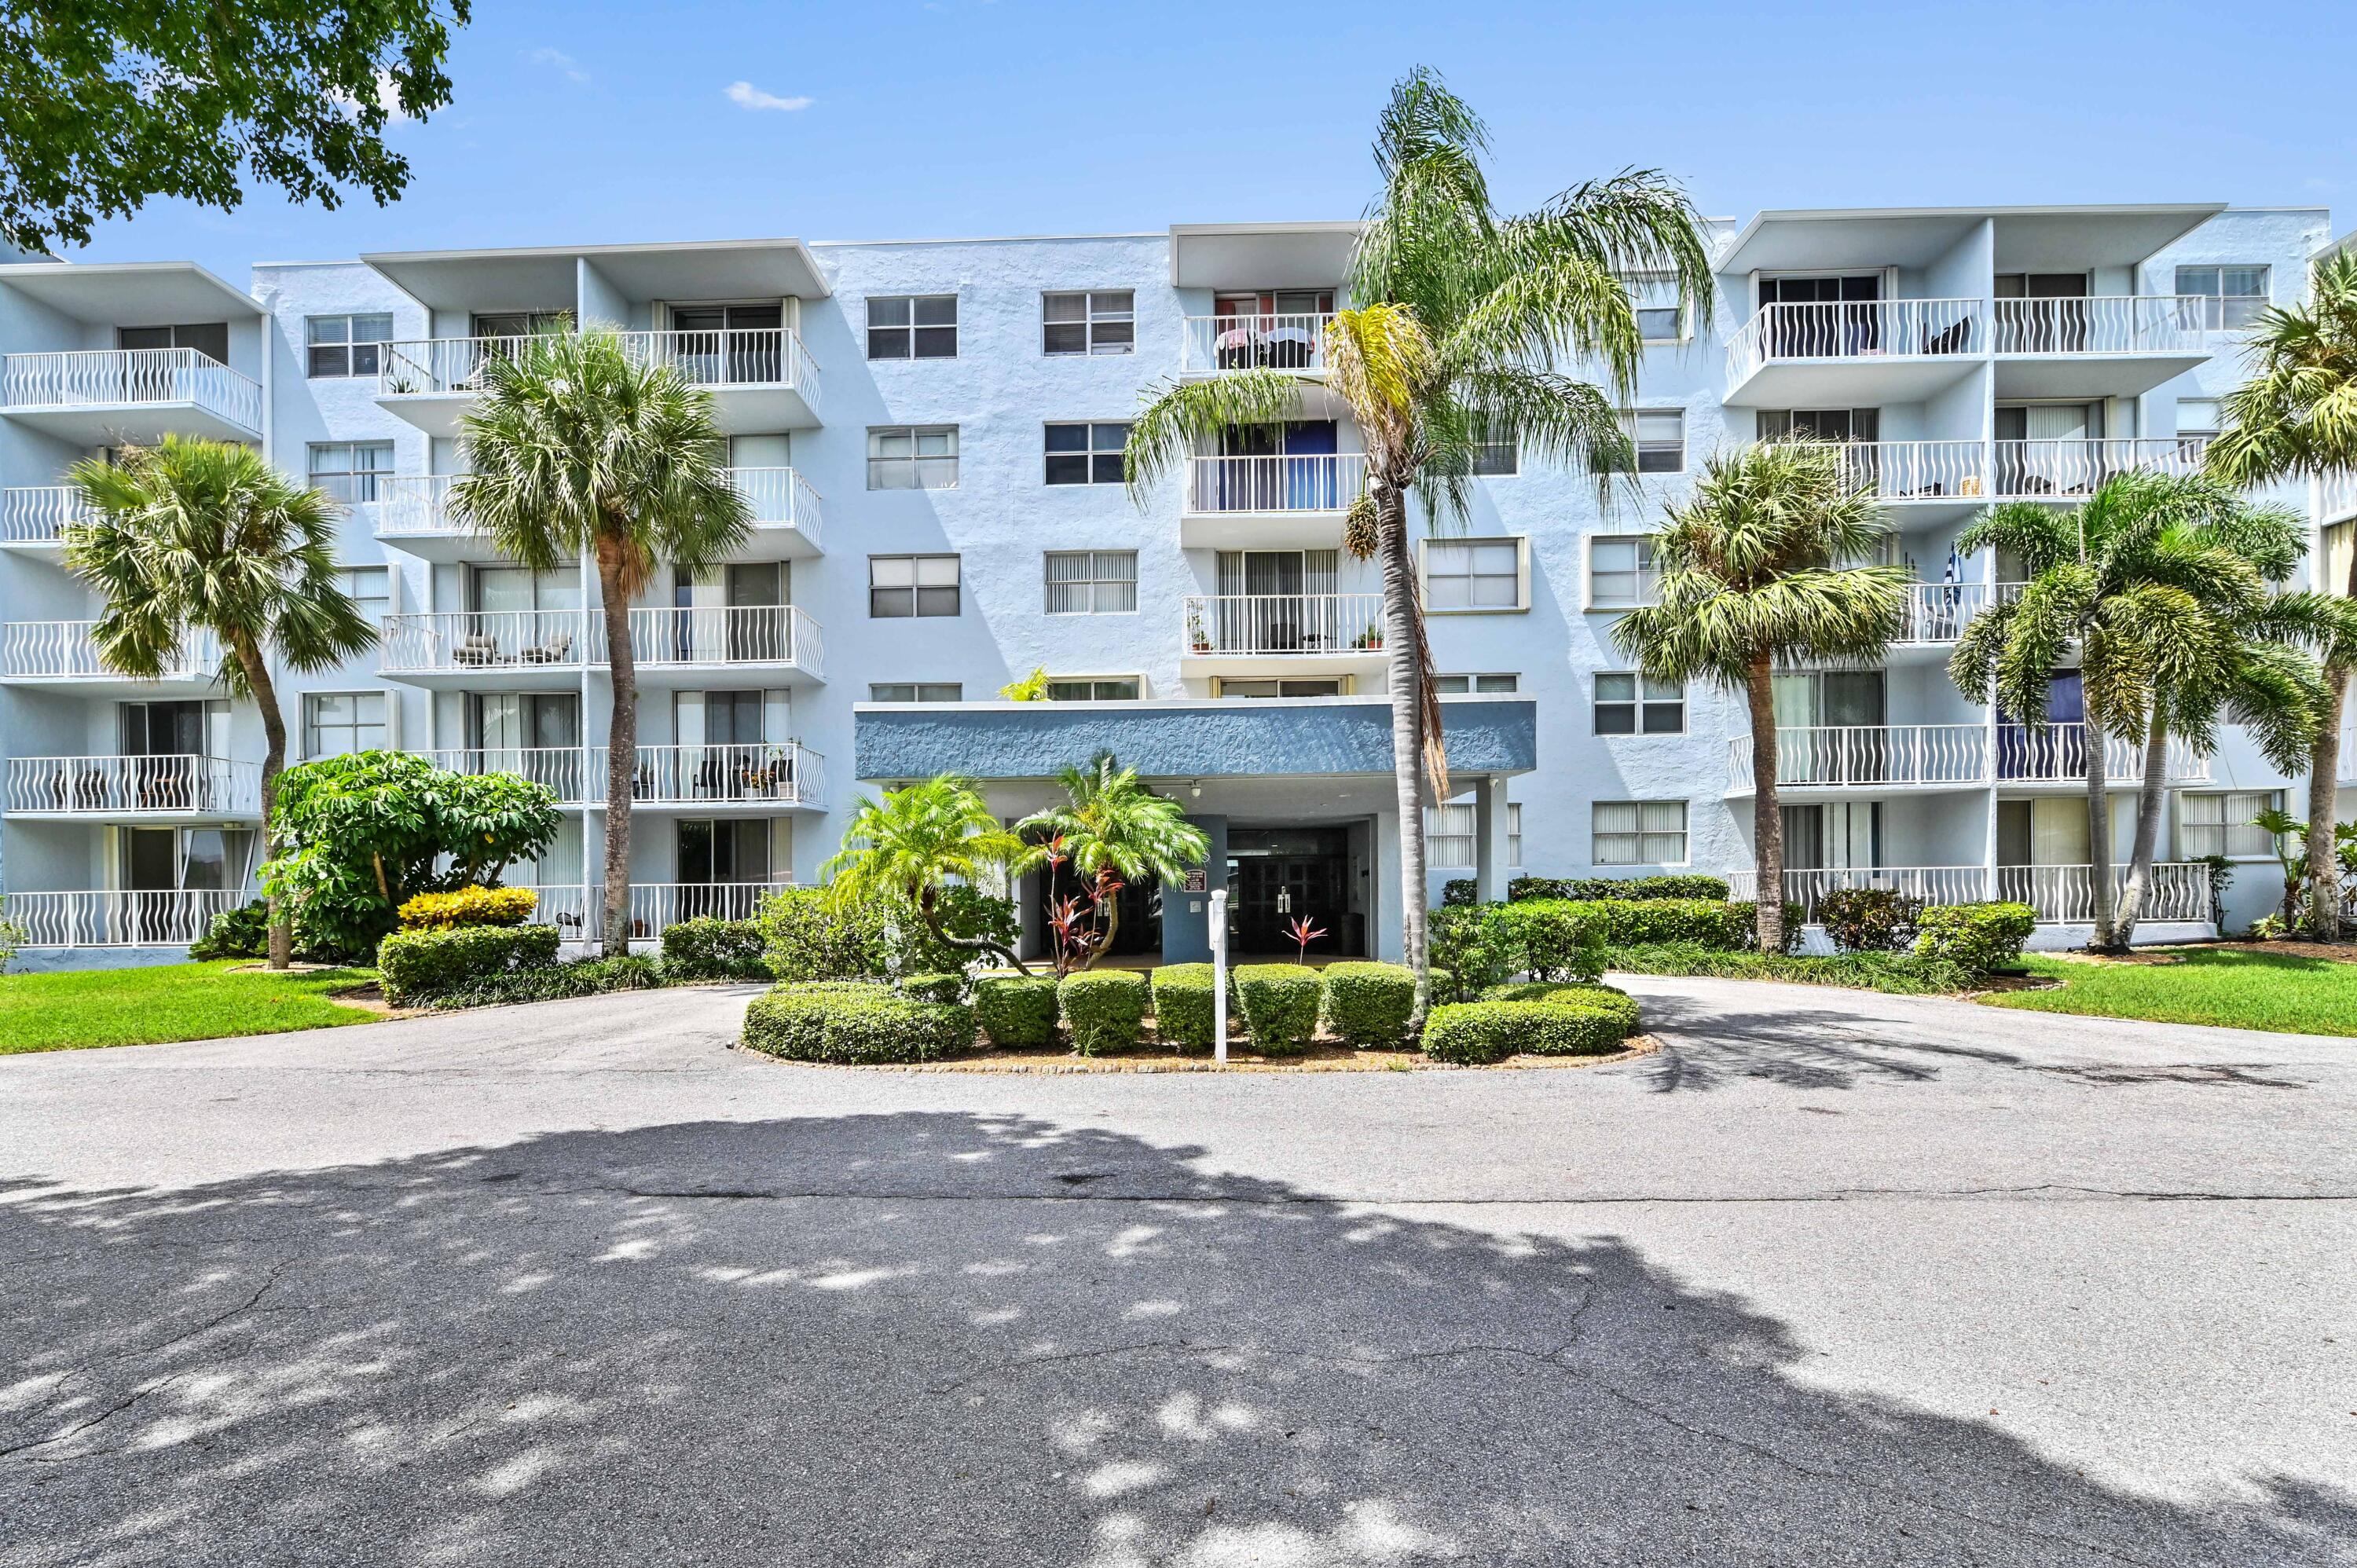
1110	824
1463	323
206	536
2296	416
359	835
105	104
1753	578
915	844
580	451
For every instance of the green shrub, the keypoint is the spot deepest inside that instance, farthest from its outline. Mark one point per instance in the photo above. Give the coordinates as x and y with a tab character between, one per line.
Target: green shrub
1279	1004
709	949
468	906
1870	919
934	987
235	933
807	936
1546	991
1584	888
966	912
553	983
1553	938
1572	1021
854	1024
1458	891
1184	1009
1367	1004
1104	1009
1901	974
1472	944
416	966
1017	1011
1976	936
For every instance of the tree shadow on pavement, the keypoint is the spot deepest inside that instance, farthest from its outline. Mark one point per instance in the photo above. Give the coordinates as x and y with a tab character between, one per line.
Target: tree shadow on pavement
951	1338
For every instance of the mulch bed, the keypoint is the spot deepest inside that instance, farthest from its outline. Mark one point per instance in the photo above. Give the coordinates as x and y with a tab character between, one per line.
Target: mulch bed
1326	1056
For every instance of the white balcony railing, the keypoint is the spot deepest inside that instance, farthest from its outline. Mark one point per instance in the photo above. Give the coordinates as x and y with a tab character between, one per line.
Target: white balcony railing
2058	753
200	786
2348	773
2336	500
1858	329
1915	470
440	365
1874	756
732	357
1932	883
1249	624
748	773
780	498
1250	340
1327	481
413	505
721	634
563	769
40	514
2107	323
67	650
120	917
2079	465
579	913
119	378
1936	612
481	639
2178	890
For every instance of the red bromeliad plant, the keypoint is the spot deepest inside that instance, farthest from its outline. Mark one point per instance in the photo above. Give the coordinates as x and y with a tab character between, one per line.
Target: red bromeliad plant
1082	923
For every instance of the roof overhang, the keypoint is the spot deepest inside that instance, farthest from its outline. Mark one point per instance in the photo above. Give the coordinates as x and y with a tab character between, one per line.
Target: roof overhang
540	277
1260	255
130	294
2027	239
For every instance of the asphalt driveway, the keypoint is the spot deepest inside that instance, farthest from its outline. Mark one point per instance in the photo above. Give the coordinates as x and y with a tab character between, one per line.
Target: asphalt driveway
1833	1278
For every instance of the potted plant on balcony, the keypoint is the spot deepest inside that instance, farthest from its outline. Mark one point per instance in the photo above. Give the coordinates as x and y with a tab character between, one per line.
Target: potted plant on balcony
1197	639
1367	640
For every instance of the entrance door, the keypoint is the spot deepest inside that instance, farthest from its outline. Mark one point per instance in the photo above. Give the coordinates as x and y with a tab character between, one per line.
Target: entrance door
1278	875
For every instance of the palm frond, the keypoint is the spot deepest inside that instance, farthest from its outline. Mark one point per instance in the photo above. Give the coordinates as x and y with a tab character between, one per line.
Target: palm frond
1178	419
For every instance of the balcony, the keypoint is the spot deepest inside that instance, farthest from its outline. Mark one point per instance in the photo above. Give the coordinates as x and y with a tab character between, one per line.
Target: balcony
787	774
1828	762
1270	503
121	917
484	650
1838	353
412	514
761	378
1211	344
1282	634
578	912
1911	474
2178	890
563	769
34	518
63	655
668	643
2098	345
110	397
2336	500
785	514
2074	468
1937	613
133	788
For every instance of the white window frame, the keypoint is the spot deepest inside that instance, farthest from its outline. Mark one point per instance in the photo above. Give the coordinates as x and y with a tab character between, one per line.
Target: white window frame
349	346
2232	312
1136	682
907	330
1514	834
1641	701
916	690
1645	837
1123	341
1450	821
2232	834
916	587
1638	285
311	727
1222	686
921	467
1511	445
1521	544
1091	454
1103	590
354	480
345	575
1654	449
1469	684
1647	571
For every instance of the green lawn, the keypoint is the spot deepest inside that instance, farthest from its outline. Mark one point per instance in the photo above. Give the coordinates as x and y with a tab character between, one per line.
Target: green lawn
171	1002
2287	992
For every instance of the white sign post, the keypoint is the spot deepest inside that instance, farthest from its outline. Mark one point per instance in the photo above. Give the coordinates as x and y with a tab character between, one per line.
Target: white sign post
1219	976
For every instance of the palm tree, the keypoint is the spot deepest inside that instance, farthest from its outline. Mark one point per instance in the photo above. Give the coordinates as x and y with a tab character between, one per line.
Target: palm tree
1112	824
206	536
579	450
906	846
1461	317
1752	578
2296	414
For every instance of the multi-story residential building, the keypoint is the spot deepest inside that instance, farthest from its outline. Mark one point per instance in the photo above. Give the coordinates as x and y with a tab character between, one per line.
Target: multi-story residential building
930	434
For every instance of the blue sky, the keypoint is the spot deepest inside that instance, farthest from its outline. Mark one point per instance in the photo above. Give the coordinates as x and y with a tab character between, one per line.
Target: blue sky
873	119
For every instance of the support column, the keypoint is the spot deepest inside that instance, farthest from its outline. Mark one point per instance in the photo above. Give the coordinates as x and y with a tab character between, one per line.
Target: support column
1489	818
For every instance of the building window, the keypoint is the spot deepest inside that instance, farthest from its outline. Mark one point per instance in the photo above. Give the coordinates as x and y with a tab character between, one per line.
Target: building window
1465	685
1630	703
2198	423
1514	832
2220	824
1638	832
351	471
1654	297
348	345
1102	322
1325	686
1475	574
1085	453
901	585
916	691
337	723
1452	836
912	327
1093	689
1659	435
371	588
1620	571
912	458
1091	582
2231	296
1498	458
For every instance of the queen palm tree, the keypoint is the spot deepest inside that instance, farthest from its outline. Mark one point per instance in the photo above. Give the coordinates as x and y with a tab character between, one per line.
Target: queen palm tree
579	450
192	535
1753	577
2296	416
1460	320
908	845
1110	823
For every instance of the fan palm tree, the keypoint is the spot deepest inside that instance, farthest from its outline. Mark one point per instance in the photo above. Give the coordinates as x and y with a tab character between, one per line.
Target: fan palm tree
906	846
1111	823
1752	578
1460	320
2296	416
577	450
194	535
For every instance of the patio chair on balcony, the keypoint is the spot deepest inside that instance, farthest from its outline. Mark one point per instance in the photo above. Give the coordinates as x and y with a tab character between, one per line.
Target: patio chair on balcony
476	649
1956	340
556	650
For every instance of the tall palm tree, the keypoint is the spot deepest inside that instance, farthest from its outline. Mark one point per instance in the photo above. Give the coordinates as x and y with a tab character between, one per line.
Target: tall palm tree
578	449
2296	416
1111	823
908	845
206	536
1753	577
1459	320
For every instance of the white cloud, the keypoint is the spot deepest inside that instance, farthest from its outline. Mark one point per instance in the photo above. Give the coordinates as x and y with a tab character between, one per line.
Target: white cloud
744	95
388	96
561	61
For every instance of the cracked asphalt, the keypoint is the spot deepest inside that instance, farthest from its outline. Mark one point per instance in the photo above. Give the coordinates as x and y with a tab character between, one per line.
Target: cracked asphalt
1832	1278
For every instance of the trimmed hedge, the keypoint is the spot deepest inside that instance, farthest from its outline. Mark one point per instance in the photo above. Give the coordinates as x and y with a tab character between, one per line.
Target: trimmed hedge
1279	1001
1569	1021
1585	888
553	982
1556	939
1367	1004
1870	920
854	1024
1899	974
1977	937
709	949
468	906
1184	1010
1104	1009
934	987
1472	945
1016	1011
414	966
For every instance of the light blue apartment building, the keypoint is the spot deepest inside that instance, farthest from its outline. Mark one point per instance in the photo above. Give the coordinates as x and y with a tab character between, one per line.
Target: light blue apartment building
930	435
